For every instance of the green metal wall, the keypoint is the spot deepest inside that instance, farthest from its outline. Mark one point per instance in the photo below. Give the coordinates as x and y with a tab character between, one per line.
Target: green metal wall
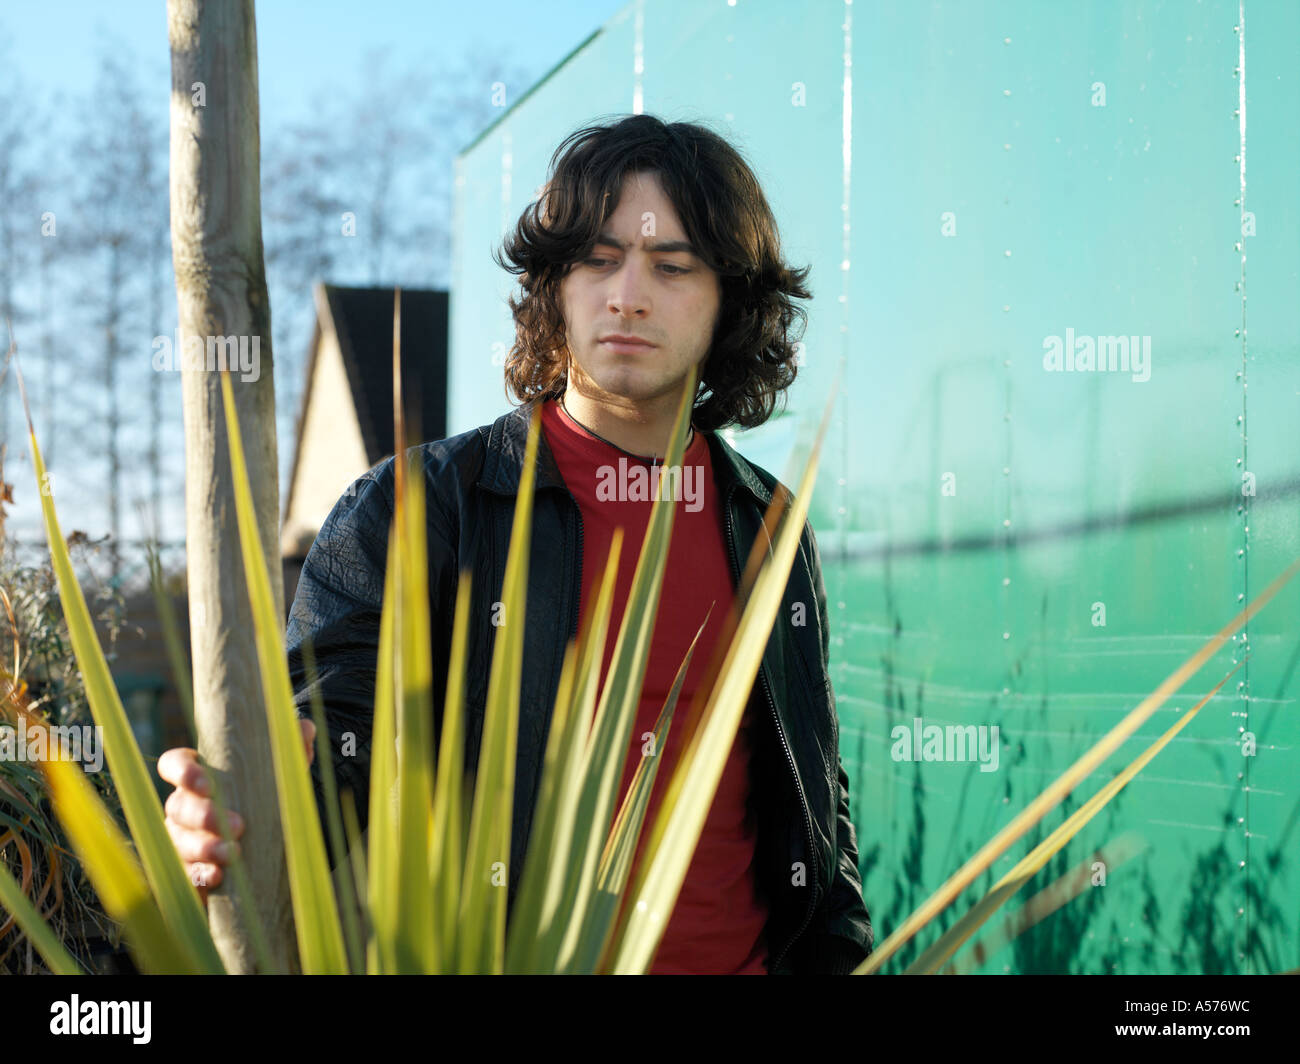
962	195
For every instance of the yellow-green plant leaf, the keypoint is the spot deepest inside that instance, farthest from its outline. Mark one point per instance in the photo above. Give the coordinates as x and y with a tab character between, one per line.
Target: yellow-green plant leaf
357	857
620	850
481	946
334	822
184	685
607	746
171	639
447	824
176	897
538	923
114	873
381	892
1052	897
414	951
616	861
316	916
689	796
415	947
951	940
1068	780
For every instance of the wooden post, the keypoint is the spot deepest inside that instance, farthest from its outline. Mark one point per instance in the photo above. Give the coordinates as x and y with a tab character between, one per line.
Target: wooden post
221	288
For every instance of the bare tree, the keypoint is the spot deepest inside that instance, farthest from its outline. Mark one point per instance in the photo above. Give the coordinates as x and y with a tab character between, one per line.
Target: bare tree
361	191
17	186
112	237
149	162
221	287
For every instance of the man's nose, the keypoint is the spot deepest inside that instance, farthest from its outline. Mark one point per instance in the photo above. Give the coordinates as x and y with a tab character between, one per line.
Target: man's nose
629	294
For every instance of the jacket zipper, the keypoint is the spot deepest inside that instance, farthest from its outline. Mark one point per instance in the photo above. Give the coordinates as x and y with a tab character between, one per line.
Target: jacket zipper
577	599
803	803
573	632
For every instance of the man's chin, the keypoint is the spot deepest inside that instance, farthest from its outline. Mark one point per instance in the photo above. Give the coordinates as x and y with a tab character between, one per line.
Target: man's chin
629	385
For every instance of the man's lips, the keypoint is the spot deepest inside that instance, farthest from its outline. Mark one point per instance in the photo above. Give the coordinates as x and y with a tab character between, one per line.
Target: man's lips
624	344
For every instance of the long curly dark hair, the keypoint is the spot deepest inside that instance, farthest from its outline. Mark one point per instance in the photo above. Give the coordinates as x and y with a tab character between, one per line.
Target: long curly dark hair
751	359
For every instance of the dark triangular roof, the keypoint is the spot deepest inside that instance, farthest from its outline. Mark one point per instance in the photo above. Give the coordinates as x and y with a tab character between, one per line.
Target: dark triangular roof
362	319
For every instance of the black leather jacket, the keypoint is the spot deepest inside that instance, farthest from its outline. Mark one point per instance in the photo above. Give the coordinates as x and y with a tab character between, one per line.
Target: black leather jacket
807	854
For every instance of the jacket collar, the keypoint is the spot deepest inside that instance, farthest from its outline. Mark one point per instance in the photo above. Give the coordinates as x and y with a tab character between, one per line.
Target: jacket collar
508	436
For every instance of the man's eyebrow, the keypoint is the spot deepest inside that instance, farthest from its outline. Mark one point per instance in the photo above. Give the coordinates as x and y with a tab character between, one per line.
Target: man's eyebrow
657	246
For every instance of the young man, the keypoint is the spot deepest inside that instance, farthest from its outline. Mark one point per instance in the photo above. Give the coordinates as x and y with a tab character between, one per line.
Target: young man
651	251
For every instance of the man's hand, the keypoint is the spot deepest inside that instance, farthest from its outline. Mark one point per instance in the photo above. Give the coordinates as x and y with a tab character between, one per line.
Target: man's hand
191	815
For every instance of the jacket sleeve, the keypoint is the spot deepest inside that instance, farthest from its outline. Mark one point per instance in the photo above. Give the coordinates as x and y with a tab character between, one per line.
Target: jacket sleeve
840	935
337	607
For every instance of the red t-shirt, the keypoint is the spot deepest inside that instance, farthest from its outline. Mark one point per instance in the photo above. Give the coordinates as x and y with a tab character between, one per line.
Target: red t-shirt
717	924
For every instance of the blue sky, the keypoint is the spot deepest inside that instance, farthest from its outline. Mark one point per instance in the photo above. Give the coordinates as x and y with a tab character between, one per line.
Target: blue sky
55	43
55	47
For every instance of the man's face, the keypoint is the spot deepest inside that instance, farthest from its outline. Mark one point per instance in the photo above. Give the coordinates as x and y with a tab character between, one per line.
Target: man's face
640	280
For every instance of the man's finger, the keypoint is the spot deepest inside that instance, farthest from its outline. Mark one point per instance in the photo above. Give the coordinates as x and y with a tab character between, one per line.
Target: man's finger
200	846
205	876
195	813
180	767
308	737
